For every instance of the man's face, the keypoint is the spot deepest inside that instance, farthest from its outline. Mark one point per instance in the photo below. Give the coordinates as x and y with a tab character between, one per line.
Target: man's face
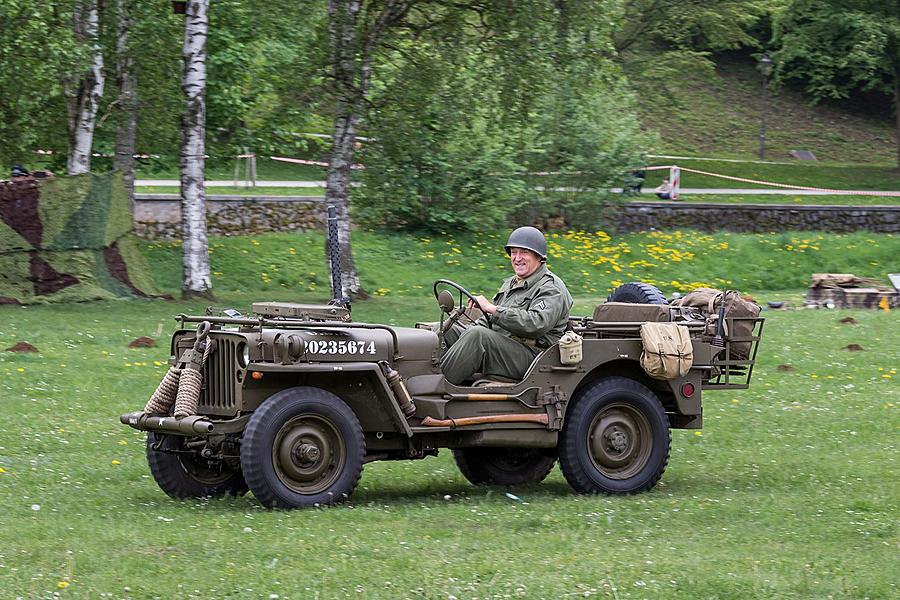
524	262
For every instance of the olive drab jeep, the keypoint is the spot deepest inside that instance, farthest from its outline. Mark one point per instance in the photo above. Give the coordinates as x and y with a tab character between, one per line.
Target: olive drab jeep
291	401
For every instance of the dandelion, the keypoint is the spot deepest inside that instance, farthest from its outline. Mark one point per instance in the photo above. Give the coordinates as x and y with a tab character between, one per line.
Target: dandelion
62	585
2	470
116	462
698	433
20	370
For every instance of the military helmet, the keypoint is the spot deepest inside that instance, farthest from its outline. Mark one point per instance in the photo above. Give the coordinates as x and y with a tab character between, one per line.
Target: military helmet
529	238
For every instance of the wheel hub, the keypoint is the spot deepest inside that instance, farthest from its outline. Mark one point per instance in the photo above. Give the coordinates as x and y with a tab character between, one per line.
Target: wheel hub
308	454
619	442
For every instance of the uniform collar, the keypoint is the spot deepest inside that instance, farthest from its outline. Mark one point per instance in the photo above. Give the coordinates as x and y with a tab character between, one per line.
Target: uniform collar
516	283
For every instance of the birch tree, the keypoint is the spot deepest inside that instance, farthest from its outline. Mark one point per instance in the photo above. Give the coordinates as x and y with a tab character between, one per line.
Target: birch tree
356	30
195	279
83	92
126	128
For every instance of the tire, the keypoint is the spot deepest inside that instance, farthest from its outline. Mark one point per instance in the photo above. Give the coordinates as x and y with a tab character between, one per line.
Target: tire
638	293
503	466
186	475
302	447
615	438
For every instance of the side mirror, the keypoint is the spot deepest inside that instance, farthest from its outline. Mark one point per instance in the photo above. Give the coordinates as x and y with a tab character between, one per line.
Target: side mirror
445	301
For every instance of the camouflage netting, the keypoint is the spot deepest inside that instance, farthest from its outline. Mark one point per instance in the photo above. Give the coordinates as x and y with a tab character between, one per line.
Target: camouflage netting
69	239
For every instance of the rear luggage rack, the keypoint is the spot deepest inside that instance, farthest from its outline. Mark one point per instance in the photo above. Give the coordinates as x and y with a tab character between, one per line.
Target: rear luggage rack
733	368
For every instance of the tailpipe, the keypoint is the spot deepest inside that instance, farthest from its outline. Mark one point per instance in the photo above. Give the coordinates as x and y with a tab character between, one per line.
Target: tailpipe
193	425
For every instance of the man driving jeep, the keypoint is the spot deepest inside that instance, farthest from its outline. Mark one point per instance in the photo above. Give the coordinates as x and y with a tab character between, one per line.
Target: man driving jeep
527	315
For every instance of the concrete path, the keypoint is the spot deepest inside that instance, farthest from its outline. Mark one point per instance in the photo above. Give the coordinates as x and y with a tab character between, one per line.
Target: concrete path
645	193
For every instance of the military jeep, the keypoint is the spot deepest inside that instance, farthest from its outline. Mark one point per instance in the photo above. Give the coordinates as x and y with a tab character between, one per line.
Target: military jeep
294	399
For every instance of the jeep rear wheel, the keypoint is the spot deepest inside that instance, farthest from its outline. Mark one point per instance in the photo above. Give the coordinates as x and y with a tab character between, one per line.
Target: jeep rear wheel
182	473
302	447
503	466
638	293
615	439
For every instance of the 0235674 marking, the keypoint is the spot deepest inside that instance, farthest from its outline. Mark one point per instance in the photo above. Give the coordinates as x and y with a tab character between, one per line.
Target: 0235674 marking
340	347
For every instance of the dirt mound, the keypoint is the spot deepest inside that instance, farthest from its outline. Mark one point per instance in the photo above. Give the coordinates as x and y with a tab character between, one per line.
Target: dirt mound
22	347
143	342
848	321
785	369
853	348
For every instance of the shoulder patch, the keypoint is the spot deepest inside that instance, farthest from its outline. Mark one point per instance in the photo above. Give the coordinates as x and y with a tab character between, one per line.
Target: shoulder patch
540	304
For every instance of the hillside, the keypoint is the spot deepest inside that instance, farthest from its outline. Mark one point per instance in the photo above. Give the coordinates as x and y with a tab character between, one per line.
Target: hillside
721	118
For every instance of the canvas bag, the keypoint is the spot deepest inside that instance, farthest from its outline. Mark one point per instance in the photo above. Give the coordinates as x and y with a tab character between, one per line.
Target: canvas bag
706	301
668	352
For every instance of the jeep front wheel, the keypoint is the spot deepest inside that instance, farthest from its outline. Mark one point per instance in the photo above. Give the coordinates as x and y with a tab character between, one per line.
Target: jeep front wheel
615	439
503	466
302	447
183	473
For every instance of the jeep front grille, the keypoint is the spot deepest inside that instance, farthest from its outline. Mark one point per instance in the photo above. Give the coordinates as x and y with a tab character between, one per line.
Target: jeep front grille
220	382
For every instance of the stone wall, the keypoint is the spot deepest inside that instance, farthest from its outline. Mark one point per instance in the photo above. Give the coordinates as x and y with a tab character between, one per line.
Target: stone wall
157	216
754	218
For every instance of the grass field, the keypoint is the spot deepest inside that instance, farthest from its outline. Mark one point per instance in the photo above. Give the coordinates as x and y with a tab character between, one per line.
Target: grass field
243	191
789	492
591	262
721	117
779	199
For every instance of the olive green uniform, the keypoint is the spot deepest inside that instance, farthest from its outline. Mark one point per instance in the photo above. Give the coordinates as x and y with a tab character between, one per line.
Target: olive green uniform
531	315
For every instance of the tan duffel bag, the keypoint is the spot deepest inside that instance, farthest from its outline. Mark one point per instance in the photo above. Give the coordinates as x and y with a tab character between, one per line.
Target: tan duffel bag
668	352
707	302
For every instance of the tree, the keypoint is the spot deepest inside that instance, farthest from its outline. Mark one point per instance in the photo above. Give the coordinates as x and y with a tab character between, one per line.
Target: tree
837	47
195	279
84	91
126	126
658	42
471	101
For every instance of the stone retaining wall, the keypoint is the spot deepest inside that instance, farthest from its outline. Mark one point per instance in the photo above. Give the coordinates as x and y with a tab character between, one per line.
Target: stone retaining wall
158	218
161	219
755	218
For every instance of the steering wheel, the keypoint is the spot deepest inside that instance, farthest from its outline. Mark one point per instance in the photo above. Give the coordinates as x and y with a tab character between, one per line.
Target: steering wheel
456	313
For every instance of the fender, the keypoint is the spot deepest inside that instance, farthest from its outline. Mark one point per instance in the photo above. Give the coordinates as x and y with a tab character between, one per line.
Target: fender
373	384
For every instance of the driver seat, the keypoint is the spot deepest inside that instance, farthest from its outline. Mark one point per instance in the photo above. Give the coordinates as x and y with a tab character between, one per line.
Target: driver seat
482	380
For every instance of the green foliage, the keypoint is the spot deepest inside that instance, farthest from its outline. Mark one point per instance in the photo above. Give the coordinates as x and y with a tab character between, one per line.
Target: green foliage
37	48
836	47
464	114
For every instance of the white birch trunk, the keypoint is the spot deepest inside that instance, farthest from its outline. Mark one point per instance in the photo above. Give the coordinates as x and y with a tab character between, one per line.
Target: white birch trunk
195	263
343	15
126	128
84	92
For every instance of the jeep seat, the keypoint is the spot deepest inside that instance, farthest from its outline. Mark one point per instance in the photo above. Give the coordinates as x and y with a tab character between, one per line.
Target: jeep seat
628	312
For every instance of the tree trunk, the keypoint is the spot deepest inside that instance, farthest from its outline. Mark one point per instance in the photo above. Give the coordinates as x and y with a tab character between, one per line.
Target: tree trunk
337	191
897	114
195	279
345	41
84	92
126	128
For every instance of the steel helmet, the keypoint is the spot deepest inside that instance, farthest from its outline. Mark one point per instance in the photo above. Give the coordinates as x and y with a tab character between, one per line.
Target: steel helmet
529	238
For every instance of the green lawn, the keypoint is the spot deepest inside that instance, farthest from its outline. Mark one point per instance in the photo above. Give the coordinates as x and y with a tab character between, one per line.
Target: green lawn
243	191
220	169
591	262
699	117
789	492
781	199
828	176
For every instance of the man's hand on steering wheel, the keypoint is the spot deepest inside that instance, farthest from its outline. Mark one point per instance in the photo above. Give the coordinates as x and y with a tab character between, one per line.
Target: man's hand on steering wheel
483	304
479	302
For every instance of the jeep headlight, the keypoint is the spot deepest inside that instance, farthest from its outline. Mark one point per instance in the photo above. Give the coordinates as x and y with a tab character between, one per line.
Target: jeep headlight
243	355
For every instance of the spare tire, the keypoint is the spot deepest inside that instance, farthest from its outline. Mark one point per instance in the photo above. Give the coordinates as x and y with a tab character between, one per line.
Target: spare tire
637	293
